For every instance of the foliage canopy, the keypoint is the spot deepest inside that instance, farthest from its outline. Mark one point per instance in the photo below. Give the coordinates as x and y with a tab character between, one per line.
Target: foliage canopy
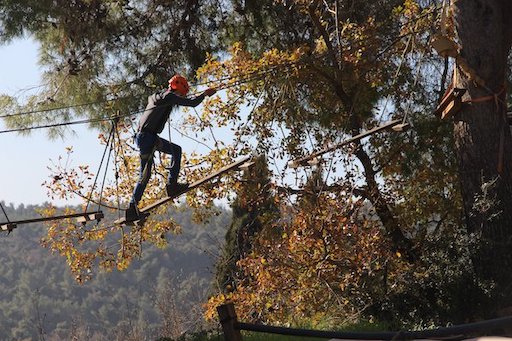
371	230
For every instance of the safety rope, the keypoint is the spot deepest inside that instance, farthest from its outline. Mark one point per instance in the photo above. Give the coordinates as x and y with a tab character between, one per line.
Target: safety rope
69	106
240	81
5	213
253	75
62	124
494	96
212	81
106	167
116	169
99	168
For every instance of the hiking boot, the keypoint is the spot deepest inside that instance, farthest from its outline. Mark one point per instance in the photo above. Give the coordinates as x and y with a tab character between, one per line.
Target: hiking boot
176	189
132	213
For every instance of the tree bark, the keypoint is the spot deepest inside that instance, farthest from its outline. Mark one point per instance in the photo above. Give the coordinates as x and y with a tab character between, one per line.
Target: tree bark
482	137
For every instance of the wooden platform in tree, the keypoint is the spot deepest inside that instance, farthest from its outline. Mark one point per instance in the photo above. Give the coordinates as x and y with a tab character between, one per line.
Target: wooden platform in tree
237	165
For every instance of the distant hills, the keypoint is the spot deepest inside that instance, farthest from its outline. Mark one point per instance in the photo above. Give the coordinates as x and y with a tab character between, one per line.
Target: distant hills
159	296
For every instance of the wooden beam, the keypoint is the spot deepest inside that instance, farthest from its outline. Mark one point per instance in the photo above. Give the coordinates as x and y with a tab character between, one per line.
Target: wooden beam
245	166
229	323
304	160
450	103
219	172
90	217
13	224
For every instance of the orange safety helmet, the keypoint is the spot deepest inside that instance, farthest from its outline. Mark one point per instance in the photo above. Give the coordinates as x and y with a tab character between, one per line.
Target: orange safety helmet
179	84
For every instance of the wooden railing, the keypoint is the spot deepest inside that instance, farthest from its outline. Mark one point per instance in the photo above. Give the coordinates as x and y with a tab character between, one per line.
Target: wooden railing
231	328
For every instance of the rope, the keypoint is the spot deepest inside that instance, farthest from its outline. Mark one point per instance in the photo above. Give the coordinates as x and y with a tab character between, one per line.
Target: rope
227	78
252	76
432	10
121	151
237	83
116	170
93	120
5	213
494	96
240	80
70	106
106	168
99	168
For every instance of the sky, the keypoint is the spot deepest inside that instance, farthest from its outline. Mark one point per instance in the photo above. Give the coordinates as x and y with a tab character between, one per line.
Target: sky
25	158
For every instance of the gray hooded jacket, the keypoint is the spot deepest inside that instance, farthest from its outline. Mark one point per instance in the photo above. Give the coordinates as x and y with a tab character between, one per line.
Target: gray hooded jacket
159	108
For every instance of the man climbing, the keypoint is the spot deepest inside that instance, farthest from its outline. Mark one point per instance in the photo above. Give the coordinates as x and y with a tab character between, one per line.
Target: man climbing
152	122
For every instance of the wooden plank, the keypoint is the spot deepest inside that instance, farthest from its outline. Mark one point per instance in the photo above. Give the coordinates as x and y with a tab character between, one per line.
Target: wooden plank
452	108
450	103
90	217
445	46
4	226
245	166
197	184
8	226
192	186
304	160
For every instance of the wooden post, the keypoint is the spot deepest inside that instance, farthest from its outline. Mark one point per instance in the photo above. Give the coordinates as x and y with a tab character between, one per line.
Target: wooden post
227	317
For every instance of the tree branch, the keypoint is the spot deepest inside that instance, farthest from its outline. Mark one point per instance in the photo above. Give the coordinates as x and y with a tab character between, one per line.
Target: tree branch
325	35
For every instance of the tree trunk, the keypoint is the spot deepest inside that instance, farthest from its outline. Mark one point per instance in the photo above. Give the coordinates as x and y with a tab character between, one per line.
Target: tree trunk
392	226
482	137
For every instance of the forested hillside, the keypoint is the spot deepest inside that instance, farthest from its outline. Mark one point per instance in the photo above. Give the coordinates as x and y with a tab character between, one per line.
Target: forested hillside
158	296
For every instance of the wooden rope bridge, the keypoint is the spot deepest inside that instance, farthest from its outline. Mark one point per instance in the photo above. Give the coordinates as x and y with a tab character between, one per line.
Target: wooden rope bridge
241	164
81	218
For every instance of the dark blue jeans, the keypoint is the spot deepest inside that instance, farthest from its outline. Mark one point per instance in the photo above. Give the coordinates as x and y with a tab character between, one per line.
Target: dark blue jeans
148	143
